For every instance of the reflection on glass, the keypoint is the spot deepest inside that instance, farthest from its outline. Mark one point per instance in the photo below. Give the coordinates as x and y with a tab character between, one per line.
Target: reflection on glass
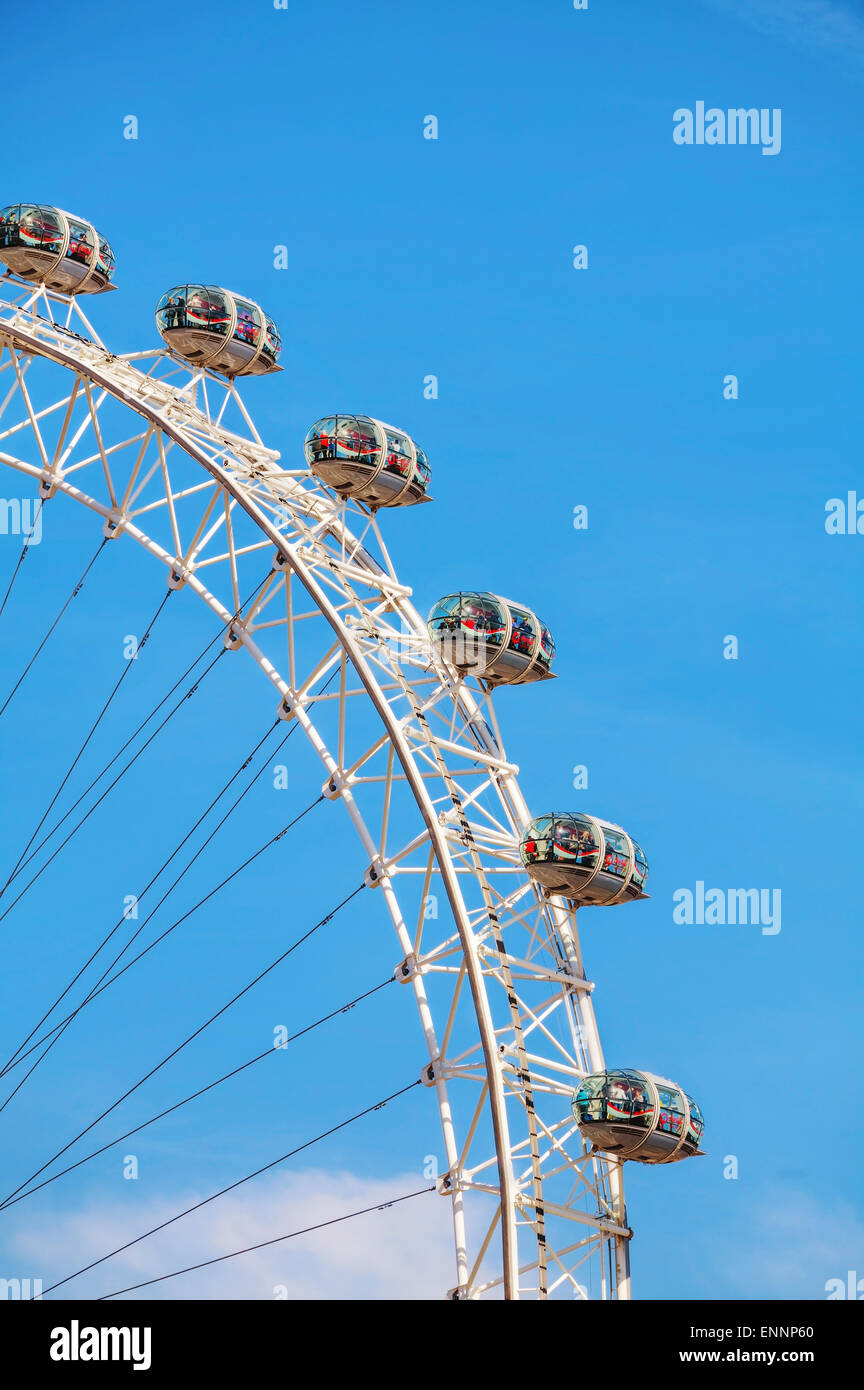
422	470
105	263
399	458
248	328
478	613
272	340
640	866
561	839
547	645
81	245
671	1117
616	859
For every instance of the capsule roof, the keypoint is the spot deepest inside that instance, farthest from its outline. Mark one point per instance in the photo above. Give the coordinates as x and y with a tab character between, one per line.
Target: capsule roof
50	247
499	641
215	328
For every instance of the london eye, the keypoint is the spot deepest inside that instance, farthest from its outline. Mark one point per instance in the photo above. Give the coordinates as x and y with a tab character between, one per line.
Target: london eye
284	542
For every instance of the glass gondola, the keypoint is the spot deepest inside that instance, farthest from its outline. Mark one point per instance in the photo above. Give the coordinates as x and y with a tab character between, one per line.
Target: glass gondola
214	328
364	458
499	641
587	860
636	1115
53	248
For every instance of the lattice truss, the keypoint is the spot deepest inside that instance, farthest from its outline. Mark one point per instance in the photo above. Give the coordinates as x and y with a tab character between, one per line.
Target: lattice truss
167	455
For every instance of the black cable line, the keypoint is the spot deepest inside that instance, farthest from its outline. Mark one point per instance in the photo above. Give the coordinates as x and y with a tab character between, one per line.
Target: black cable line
103	943
61	1028
155	710
198	1031
74	594
98	802
22	556
100	716
99	987
232	1186
276	1240
391	979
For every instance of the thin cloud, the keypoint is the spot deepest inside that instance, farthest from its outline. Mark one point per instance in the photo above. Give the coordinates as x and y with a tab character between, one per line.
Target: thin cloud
405	1252
834	27
794	1244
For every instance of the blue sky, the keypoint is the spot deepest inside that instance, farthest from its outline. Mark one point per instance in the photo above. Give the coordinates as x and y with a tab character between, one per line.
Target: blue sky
557	387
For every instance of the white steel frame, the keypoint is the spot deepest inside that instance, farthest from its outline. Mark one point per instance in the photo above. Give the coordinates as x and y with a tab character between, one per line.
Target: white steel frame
504	1003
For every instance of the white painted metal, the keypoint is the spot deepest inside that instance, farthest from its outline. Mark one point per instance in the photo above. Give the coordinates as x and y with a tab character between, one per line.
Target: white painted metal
167	456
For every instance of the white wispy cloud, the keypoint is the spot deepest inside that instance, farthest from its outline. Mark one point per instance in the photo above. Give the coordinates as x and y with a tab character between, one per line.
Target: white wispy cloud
792	1244
405	1252
827	24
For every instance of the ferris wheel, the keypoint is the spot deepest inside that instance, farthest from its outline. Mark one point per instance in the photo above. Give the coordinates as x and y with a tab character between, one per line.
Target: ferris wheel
161	450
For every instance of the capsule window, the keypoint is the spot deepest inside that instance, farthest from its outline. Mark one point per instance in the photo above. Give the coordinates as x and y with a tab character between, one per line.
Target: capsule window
399	459
272	340
353	441
25	227
81	246
671	1117
42	228
697	1124
627	1100
547	645
575	841
106	260
171	309
640	866
321	440
590	1099
248	327
616	859
206	310
9	225
422	470
522	632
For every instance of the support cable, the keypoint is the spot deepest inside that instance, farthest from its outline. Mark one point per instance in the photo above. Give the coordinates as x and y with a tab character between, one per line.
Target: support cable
276	1240
74	594
100	987
94	726
22	557
131	739
191	1037
269	1052
138	897
234	1185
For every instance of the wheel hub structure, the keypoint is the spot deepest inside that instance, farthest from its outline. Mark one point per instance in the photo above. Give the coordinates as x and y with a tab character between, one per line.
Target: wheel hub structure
166	455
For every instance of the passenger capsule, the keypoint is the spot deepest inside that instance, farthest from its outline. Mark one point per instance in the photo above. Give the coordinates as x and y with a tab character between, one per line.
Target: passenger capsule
492	638
636	1115
364	458
214	328
587	860
52	248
